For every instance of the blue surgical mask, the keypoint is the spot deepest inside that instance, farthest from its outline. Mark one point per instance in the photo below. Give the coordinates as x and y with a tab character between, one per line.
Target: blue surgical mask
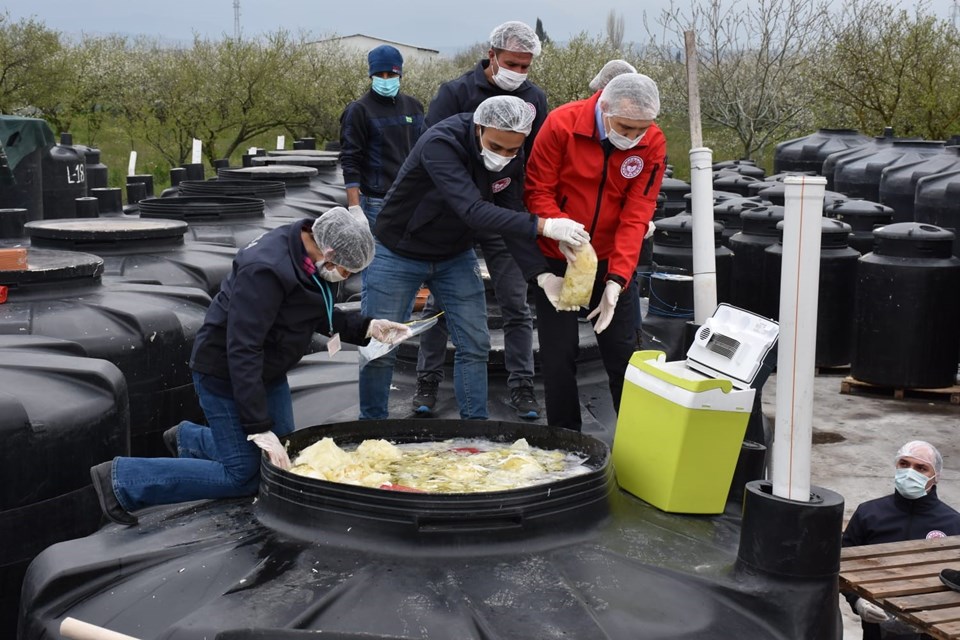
910	483
387	87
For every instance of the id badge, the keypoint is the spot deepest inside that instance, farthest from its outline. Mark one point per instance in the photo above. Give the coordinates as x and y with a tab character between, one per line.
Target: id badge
333	345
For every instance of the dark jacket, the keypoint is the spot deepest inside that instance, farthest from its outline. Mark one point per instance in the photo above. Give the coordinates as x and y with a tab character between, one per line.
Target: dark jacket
894	518
444	194
376	134
262	321
464	94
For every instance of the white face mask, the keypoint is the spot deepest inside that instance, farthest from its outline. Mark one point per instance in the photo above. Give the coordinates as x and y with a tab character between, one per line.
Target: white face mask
330	275
506	79
494	161
619	140
910	483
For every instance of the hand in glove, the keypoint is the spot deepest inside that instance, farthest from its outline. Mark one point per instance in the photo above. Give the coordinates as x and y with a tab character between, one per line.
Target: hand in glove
569	251
650	229
608	304
388	332
357	212
551	285
565	230
269	442
869	612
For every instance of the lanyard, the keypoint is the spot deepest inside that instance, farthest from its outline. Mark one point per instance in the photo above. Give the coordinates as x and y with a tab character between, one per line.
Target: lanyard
327	300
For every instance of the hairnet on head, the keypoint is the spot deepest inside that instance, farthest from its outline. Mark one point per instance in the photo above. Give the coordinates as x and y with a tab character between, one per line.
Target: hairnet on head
920	450
631	95
508	113
515	36
349	239
610	71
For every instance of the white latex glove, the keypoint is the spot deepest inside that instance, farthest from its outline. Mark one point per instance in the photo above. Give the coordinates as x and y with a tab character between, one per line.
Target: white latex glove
650	229
870	612
565	230
551	285
388	332
608	304
269	442
357	212
568	251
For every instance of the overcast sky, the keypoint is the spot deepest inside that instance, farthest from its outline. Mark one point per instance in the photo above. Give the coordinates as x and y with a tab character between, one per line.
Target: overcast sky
447	25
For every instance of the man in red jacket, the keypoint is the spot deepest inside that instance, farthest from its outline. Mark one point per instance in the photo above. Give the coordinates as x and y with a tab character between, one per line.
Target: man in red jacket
599	162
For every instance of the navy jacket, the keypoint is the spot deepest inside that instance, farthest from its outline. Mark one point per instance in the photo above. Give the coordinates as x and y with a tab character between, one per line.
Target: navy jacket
262	321
376	134
464	94
444	194
894	518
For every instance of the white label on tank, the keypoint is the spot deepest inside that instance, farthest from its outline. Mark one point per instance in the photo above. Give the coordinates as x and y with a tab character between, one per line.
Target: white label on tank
76	174
197	145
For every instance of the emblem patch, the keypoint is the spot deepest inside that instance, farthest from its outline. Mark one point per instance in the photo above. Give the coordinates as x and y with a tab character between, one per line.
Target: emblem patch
631	167
500	185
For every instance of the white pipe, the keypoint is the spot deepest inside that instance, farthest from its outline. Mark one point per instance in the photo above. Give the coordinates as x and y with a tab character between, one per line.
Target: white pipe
78	630
704	251
799	288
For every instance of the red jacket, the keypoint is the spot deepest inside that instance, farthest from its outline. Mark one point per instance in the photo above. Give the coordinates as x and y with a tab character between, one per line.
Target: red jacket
566	177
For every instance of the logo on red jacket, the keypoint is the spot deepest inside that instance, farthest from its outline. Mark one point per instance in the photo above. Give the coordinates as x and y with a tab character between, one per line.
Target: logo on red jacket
631	167
500	185
936	533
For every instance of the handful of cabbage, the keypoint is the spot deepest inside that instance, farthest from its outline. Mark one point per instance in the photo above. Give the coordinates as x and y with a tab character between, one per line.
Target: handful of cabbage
578	279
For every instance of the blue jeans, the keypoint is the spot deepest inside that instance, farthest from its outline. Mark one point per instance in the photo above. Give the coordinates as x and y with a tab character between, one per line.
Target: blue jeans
371	208
510	289
389	292
216	461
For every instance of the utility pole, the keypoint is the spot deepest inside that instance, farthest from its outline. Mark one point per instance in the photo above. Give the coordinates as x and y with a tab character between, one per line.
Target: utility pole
236	20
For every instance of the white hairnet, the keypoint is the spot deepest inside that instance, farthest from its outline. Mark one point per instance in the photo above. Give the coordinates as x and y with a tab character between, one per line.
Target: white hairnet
920	450
515	36
631	95
349	239
508	113
610	71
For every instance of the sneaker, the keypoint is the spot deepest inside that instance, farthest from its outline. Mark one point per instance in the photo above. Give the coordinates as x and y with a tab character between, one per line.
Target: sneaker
170	440
426	396
525	402
951	578
102	477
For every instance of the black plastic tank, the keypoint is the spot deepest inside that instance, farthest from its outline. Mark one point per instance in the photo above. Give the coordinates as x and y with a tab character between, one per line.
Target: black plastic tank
859	175
324	187
938	203
673	247
728	213
325	162
60	413
898	182
863	217
907	309
570	559
139	250
675	190
109	201
838	279
64	180
735	182
841	156
12	222
809	152
230	221
273	193
147	331
24	141
759	231
743	167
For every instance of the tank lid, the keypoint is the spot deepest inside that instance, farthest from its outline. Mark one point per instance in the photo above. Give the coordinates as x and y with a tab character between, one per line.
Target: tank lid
828	227
231	187
297	160
201	208
273	172
305	153
674	185
857	207
46	266
913	240
105	229
682	223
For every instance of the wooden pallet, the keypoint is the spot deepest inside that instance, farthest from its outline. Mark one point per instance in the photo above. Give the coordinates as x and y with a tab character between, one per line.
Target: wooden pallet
851	385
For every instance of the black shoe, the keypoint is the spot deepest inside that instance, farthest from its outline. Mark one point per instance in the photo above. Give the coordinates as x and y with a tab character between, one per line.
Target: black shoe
525	402
951	578
102	476
170	440
426	396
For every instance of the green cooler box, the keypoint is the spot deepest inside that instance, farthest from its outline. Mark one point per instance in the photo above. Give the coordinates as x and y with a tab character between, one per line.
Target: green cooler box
679	435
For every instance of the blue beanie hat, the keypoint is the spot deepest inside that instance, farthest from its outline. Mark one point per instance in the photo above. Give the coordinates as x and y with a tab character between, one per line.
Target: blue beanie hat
385	58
